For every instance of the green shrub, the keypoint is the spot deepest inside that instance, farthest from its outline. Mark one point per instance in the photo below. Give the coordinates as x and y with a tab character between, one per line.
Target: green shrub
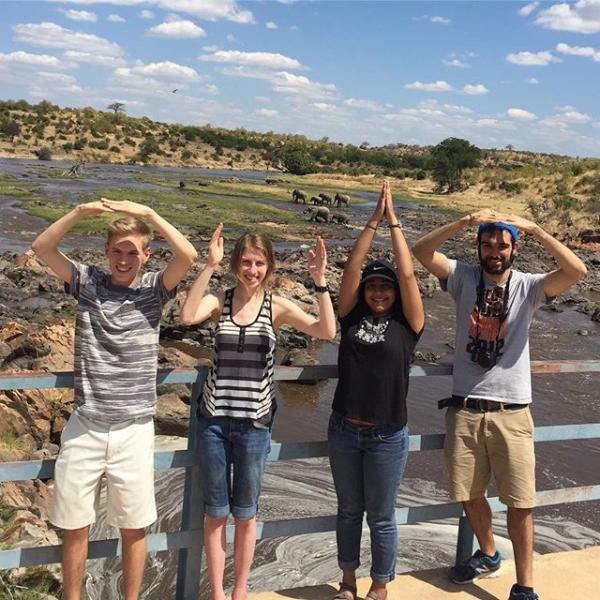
44	153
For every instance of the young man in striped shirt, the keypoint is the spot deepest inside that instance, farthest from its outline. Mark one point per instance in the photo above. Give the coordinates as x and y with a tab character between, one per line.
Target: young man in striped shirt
111	430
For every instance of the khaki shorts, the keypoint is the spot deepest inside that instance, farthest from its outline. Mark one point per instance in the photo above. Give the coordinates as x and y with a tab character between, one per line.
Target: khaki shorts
122	453
499	442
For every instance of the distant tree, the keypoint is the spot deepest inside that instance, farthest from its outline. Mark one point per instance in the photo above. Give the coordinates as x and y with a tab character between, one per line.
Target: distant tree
509	147
44	153
11	129
117	107
297	161
148	147
364	145
448	161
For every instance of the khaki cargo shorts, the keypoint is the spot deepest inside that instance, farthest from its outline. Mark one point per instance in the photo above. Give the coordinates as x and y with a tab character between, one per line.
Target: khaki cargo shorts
120	453
479	444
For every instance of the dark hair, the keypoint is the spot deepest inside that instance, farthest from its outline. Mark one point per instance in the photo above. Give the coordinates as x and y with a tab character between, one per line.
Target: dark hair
256	241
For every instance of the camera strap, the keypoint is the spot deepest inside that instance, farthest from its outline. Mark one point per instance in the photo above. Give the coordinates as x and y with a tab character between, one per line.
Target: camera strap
480	305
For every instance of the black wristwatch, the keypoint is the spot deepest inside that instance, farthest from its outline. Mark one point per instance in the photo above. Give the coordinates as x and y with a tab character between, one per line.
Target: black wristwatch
321	289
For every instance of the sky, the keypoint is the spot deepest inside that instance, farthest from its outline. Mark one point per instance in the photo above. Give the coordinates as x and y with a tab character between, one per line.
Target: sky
494	73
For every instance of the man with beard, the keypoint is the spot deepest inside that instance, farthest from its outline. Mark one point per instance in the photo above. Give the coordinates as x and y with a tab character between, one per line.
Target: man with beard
489	429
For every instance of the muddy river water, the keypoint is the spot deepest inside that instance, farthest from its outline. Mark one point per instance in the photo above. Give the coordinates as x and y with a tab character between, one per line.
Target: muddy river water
302	488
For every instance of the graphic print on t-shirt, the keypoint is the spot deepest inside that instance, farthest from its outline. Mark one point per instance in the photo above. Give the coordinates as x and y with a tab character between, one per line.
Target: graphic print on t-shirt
371	330
487	327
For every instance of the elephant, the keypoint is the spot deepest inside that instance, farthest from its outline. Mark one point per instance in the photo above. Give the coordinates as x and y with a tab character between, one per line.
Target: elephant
317	215
342	199
340	218
316	201
326	199
298	195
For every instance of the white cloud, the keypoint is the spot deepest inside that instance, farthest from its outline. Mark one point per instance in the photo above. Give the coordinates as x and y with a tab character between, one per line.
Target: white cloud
211	89
79	15
22	59
92	58
572	116
520	115
113	18
437	86
532	81
58	81
230	37
211	48
579	51
477	89
324	106
294	28
266	112
526	10
55	36
162	71
532	59
182	29
208	10
288	83
271	25
262	98
455	62
442	20
364	104
581	17
265	60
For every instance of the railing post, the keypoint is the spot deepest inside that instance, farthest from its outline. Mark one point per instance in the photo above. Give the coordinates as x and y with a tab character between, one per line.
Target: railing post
464	541
189	562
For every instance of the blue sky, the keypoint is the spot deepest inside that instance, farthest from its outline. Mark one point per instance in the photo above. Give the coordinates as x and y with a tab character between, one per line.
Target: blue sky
495	73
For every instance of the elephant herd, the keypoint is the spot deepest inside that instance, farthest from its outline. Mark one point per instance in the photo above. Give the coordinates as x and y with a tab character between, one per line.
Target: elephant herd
321	214
321	199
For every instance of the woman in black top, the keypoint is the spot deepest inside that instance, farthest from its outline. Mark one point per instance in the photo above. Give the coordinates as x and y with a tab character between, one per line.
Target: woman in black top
381	317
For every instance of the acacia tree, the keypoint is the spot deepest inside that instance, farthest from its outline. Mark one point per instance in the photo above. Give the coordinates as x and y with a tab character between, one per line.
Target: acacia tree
11	129
117	107
448	161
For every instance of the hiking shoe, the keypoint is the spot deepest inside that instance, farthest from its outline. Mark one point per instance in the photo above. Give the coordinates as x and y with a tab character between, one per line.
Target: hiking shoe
517	593
479	565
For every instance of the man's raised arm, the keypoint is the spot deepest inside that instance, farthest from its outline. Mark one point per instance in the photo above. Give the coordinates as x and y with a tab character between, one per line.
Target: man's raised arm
46	244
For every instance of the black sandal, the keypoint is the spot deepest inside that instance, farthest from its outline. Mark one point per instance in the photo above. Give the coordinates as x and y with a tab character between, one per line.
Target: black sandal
346	592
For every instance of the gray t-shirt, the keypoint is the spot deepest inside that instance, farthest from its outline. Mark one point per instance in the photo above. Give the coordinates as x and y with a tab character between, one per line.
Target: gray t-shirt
509	380
116	343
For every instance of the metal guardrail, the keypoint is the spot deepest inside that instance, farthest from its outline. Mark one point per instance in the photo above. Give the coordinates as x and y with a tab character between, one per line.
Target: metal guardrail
188	541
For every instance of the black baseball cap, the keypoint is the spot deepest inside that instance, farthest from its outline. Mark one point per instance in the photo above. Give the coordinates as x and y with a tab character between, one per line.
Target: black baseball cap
379	268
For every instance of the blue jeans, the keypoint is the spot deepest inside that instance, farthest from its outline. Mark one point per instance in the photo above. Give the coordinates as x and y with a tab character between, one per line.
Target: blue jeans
233	455
367	463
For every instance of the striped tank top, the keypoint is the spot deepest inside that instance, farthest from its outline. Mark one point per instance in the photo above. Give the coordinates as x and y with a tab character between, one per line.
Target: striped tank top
240	382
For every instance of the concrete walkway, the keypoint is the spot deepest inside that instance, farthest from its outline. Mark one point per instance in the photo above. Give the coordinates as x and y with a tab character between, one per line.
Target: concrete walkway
558	576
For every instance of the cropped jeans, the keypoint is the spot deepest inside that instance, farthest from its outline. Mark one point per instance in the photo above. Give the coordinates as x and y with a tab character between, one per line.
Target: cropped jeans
367	463
233	455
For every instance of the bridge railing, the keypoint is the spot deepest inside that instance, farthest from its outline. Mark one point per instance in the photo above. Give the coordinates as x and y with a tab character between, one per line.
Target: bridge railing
188	540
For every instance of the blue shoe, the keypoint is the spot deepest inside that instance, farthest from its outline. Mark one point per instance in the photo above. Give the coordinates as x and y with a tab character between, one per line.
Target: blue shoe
518	594
479	565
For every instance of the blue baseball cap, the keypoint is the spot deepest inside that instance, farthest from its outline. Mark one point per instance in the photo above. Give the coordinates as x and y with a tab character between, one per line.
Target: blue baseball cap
485	227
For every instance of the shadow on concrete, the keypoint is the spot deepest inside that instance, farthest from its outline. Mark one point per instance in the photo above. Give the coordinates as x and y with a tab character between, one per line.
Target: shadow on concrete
312	592
438	578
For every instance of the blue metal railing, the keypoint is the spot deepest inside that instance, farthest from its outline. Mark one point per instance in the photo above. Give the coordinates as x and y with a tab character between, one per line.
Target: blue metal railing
188	540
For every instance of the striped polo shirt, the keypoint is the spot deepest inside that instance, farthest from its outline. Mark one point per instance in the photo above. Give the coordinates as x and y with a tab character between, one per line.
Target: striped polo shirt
240	382
116	343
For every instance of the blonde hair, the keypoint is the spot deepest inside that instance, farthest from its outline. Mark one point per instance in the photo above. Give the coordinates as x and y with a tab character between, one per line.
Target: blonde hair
127	226
255	241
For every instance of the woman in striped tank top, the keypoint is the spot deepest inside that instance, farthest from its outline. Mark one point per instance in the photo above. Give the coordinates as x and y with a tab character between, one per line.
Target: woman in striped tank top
238	401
